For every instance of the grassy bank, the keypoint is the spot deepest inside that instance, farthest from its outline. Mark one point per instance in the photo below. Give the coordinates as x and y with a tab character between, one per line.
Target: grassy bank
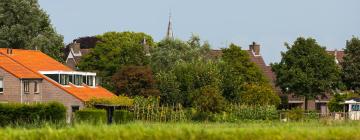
188	131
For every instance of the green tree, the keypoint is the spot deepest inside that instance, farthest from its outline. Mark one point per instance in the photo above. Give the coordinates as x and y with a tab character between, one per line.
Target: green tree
194	75
351	64
306	69
208	99
237	72
255	94
169	88
23	25
168	51
135	81
115	50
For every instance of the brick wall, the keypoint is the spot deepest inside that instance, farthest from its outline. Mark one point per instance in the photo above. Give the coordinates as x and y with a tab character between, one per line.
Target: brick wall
11	87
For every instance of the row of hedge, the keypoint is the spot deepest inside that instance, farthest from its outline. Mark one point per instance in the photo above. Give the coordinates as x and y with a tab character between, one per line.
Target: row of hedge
19	114
98	116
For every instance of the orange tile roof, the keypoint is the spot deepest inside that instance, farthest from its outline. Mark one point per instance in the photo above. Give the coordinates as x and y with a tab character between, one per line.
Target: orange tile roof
16	69
28	63
35	60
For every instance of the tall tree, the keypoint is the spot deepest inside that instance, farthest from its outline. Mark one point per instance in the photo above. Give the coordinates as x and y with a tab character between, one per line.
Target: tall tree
115	50
135	81
238	72
351	64
23	25
169	51
306	69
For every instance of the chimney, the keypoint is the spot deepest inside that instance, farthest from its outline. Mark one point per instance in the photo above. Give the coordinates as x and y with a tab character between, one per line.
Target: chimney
9	50
255	48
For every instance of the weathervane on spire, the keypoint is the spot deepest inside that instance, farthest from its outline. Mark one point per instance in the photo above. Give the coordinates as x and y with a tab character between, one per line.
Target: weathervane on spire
169	32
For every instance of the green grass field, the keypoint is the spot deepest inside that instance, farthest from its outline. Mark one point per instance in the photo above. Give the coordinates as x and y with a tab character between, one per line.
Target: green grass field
190	131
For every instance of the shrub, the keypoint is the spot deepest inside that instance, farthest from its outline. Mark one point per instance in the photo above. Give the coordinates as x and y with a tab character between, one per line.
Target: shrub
21	114
119	100
295	114
123	116
244	112
93	116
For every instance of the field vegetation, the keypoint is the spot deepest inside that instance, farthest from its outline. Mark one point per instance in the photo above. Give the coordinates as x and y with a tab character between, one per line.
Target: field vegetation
191	131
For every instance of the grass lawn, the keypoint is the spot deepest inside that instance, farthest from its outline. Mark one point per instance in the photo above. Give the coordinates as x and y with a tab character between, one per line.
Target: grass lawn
190	131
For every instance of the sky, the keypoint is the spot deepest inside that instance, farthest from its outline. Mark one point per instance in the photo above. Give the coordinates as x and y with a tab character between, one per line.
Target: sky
270	23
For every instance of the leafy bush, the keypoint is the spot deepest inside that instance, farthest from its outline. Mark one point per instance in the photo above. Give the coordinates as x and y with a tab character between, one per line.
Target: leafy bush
296	114
93	116
123	116
21	114
244	112
119	100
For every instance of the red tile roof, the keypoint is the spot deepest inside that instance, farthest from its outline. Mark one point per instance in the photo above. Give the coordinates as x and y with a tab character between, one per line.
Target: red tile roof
28	63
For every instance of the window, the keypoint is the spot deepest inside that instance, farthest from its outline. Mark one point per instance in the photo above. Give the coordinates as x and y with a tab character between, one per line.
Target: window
74	108
90	81
78	80
64	79
26	86
36	87
1	85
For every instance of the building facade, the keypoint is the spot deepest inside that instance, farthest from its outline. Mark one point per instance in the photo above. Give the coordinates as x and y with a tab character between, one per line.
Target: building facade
29	76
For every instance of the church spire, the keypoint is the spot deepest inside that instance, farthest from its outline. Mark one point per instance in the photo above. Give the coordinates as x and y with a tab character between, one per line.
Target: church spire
169	32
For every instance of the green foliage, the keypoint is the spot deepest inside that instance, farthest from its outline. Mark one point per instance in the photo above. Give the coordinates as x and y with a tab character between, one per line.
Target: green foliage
295	114
208	99
135	81
24	25
306	69
245	112
169	51
351	64
92	116
115	50
123	116
192	131
259	95
192	76
21	114
169	88
119	100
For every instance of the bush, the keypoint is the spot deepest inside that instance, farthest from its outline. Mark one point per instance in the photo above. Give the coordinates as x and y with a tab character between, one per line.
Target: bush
21	114
123	116
244	112
93	116
296	114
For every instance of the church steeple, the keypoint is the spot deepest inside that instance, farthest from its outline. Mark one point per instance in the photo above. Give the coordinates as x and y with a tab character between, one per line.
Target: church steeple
169	32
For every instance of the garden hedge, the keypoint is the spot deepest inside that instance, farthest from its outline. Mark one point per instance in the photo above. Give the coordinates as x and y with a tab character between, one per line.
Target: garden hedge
89	115
15	113
123	116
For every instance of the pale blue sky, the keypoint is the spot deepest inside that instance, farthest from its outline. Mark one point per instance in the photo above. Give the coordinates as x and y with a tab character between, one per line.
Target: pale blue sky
268	22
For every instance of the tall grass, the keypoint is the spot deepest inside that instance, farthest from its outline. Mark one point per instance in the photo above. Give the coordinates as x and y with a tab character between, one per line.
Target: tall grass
191	131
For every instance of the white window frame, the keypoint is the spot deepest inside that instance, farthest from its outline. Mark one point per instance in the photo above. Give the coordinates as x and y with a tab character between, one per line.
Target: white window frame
26	86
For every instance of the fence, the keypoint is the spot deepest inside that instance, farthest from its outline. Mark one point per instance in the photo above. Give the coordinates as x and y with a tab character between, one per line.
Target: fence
286	116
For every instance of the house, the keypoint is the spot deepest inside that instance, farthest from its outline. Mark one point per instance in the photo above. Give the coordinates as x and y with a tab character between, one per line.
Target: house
78	48
30	76
352	106
255	56
320	102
